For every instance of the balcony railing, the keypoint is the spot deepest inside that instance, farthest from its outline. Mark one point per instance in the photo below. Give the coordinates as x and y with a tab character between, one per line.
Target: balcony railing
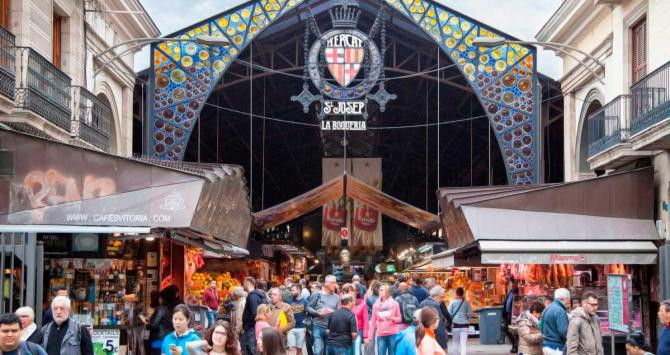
92	118
43	88
607	126
7	63
650	99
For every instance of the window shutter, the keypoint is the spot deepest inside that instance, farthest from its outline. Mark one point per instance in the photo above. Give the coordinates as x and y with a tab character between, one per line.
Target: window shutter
56	41
639	55
5	11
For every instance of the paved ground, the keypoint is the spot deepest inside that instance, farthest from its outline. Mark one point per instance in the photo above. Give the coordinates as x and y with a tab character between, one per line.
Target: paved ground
475	348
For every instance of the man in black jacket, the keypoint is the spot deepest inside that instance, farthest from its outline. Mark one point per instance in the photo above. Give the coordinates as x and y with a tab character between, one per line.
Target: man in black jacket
436	301
65	335
255	297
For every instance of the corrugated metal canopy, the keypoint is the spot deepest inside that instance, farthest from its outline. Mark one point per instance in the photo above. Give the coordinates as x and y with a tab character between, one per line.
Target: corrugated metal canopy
613	207
53	183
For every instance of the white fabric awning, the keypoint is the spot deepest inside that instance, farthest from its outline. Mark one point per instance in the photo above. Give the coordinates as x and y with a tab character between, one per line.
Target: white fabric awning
567	252
443	260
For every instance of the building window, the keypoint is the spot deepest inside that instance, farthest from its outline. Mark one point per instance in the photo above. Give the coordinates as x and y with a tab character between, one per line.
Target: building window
57	39
5	10
639	55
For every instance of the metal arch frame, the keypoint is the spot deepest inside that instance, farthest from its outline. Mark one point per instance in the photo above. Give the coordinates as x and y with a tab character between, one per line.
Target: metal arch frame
398	6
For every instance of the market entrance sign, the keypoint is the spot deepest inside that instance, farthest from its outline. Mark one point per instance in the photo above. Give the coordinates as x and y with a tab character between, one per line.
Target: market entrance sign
354	66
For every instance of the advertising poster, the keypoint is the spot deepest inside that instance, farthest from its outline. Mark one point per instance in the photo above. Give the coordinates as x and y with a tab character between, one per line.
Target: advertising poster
363	221
618	299
106	341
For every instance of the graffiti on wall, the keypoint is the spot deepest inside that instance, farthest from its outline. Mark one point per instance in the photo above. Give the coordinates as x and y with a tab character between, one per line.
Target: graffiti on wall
42	188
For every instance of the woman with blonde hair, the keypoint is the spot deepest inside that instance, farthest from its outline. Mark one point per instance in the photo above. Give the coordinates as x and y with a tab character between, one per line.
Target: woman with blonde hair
239	301
384	322
263	315
426	344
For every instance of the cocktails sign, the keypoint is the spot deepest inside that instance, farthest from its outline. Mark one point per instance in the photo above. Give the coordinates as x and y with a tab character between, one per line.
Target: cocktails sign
346	52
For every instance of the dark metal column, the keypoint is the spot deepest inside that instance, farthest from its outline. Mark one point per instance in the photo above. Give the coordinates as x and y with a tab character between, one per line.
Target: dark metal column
664	270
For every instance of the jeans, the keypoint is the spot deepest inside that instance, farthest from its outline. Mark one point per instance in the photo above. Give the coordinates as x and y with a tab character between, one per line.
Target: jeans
211	318
309	341
386	344
319	339
249	341
460	337
358	344
336	350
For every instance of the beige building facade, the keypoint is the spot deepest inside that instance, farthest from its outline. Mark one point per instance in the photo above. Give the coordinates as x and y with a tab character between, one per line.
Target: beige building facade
620	119
50	51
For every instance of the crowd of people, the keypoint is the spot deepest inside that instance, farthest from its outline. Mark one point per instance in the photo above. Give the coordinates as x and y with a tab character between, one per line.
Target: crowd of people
553	328
408	317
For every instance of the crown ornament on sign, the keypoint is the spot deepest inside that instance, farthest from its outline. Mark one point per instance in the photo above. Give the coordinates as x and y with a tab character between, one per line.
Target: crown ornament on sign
345	14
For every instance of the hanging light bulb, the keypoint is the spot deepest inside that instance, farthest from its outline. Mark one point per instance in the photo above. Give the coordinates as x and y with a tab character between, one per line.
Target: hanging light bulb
344	255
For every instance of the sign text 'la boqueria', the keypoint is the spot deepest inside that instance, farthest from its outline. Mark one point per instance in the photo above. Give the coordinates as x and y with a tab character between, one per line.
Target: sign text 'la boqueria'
328	125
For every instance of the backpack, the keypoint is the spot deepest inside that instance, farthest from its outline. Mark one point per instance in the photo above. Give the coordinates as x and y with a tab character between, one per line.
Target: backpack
407	307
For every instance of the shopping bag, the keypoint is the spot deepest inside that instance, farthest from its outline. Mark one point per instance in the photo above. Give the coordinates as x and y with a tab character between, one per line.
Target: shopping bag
283	321
369	348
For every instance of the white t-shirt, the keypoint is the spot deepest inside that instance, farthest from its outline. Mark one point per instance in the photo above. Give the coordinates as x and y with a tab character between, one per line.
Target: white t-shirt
304	294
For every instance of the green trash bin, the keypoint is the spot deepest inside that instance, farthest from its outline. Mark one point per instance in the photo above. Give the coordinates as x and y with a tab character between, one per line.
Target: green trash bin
489	324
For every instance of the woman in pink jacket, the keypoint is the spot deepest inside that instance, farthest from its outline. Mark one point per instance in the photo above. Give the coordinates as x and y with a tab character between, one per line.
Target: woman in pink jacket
385	320
361	312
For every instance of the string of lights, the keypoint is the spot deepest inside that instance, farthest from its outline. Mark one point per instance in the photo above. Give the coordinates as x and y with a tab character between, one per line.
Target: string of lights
275	71
263	117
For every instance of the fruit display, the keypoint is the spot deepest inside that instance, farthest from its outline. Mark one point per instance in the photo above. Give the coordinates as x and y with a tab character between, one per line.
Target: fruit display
475	291
224	283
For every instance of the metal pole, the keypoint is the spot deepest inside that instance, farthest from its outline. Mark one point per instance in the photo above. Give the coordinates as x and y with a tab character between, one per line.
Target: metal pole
263	155
438	122
489	168
251	125
39	283
217	128
29	251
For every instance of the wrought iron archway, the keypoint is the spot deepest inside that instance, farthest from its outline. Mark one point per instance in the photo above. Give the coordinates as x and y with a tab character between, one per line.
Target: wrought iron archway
183	74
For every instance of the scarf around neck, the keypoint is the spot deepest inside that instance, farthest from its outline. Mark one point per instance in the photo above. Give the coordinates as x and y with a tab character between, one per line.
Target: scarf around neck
430	332
26	333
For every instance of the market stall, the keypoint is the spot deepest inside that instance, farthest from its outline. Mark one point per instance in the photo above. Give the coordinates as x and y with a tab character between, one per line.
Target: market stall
567	235
105	221
108	279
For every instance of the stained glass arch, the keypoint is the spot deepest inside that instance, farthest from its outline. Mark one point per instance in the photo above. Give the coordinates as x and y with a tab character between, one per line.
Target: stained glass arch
183	74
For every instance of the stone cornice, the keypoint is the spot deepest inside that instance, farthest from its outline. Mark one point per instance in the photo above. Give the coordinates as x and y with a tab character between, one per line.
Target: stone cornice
553	26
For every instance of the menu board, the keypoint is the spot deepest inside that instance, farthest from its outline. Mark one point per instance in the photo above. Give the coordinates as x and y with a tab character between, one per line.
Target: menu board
619	297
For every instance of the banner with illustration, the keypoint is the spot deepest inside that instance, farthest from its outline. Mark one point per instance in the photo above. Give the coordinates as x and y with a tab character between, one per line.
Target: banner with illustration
363	221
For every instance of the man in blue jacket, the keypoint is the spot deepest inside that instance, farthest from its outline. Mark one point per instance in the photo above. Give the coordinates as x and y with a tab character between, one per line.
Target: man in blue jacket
419	292
555	323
